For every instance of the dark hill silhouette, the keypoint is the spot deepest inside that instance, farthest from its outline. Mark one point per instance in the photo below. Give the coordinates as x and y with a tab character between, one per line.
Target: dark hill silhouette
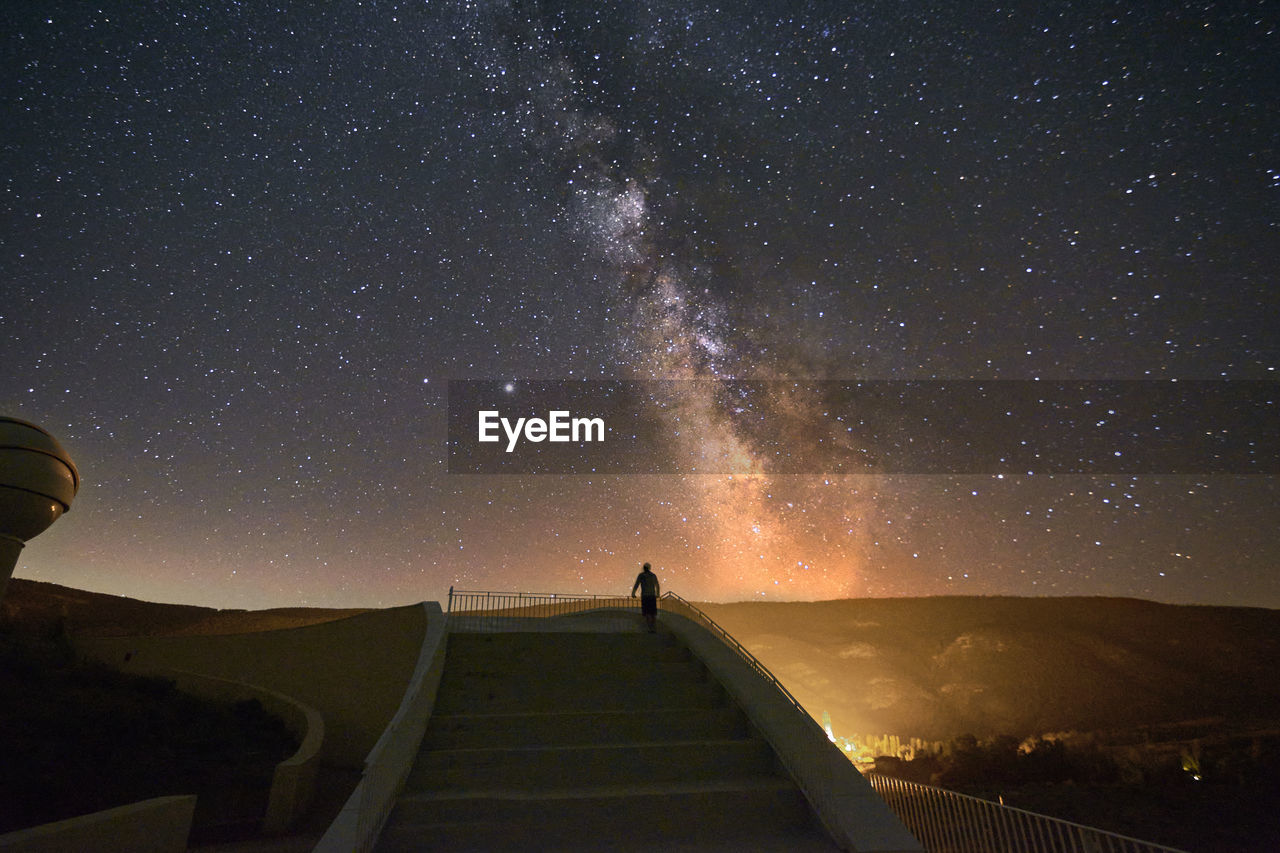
936	668
932	668
36	604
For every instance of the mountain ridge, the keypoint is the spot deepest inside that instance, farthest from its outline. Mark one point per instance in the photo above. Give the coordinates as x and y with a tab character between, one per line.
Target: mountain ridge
928	667
53	606
936	668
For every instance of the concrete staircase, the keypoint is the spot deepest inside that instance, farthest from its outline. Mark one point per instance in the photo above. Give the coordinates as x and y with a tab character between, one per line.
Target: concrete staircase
592	741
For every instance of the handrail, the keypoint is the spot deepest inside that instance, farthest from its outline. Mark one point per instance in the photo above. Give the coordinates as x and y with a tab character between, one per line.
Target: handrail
853	815
480	610
732	642
951	821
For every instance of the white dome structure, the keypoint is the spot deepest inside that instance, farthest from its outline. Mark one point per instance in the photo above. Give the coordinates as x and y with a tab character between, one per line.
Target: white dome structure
37	483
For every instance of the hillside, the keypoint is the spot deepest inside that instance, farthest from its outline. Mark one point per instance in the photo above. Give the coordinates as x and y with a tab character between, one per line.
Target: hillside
35	603
1171	680
936	668
932	668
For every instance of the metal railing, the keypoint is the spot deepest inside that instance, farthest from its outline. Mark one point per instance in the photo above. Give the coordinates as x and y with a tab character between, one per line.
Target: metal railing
474	610
677	604
800	744
948	822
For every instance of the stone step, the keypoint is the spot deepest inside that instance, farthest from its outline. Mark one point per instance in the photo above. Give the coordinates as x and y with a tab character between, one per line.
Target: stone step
749	814
533	768
460	731
657	686
463	671
536	650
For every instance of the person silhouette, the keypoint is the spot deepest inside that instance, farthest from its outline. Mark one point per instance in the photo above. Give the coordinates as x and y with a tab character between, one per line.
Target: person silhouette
647	583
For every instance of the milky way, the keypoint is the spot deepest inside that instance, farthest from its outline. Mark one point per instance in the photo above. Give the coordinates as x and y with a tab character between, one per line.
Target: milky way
671	330
245	249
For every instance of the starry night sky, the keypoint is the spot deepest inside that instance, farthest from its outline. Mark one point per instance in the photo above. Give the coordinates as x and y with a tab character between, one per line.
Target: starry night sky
246	246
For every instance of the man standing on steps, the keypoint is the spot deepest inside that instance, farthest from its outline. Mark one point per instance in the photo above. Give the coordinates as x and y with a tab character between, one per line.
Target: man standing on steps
647	583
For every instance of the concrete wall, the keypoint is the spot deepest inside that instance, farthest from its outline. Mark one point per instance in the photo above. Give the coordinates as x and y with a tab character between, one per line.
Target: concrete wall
294	780
353	671
160	825
361	818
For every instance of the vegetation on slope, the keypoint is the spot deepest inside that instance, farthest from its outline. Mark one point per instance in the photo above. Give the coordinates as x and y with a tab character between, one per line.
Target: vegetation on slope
1156	721
937	668
79	737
